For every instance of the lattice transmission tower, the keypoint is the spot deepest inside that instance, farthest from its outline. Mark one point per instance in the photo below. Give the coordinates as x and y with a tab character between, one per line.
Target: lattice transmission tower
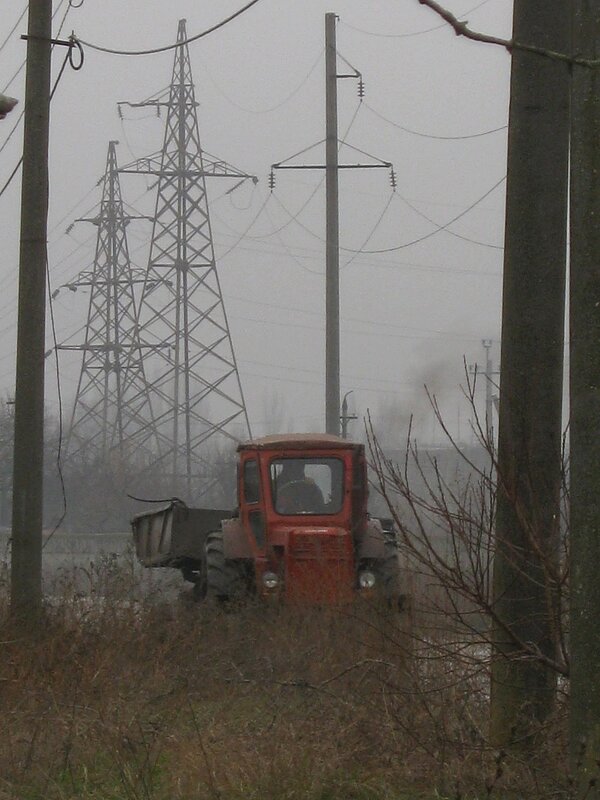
111	412
194	383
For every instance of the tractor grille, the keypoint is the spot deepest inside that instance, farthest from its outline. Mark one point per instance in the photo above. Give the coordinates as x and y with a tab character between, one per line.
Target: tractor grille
314	547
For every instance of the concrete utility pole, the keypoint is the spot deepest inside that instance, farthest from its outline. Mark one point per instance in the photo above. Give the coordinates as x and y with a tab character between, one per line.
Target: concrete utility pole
489	403
529	441
345	417
26	565
585	404
491	400
332	254
332	261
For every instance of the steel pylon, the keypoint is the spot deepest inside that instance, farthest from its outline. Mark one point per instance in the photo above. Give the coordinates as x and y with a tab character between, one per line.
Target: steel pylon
111	414
194	383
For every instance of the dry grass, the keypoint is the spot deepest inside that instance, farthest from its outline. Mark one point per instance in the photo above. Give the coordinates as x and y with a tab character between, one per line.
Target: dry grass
112	700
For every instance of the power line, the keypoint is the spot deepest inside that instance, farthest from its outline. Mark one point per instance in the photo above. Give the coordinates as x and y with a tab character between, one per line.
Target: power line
304	205
437	230
371	232
173	46
431	135
317	255
13	129
67	60
279	105
350	331
13	29
20	69
244	234
413	33
455	219
60	408
291	255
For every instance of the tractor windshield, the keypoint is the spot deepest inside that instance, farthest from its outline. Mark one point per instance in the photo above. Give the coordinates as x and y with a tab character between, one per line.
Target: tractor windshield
307	485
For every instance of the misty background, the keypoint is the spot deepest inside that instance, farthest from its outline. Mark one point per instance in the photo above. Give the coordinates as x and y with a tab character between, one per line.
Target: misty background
435	106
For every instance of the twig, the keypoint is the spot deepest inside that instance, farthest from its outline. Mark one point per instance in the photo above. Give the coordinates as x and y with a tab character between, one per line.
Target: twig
462	29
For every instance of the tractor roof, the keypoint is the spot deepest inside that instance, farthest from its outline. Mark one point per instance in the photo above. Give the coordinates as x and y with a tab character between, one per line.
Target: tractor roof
299	441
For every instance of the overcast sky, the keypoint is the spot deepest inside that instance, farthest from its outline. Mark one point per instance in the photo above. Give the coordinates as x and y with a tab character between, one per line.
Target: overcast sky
409	315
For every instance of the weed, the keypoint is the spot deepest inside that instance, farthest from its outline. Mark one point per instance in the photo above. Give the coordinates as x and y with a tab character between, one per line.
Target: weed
149	700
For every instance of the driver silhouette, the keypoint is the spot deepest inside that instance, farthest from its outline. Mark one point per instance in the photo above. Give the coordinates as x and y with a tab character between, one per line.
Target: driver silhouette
296	493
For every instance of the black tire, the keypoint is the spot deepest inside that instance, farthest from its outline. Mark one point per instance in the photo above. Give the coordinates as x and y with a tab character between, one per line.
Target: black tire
225	579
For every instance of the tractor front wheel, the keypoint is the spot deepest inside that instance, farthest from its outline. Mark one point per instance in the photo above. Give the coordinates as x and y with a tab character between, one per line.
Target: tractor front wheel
225	579
387	574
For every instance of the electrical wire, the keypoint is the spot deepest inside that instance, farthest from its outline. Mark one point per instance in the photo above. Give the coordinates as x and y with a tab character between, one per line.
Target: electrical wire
431	135
11	176
13	29
276	107
22	67
248	204
444	227
164	49
60	411
413	33
312	254
294	218
371	232
66	216
68	60
437	230
341	143
13	129
290	254
371	322
245	233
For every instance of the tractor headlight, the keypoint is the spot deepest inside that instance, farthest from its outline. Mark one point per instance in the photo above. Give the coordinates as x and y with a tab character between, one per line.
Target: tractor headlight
366	579
270	580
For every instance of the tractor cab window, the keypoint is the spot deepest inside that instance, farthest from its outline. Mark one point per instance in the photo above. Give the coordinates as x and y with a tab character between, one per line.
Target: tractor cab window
307	485
251	490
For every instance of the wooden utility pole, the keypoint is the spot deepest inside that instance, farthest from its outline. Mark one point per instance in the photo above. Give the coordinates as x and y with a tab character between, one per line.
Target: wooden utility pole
585	403
332	264
26	564
529	446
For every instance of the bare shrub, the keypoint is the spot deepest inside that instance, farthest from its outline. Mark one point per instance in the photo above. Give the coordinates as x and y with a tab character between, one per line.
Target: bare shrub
157	700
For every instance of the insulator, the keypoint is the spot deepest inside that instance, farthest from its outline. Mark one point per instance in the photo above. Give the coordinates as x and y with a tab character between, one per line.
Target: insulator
271	180
157	110
361	88
119	111
393	178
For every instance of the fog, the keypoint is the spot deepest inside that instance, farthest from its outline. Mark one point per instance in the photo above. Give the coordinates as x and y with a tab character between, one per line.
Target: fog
409	316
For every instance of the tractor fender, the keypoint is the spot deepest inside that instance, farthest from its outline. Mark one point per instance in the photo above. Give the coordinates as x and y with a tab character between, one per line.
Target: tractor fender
235	541
372	543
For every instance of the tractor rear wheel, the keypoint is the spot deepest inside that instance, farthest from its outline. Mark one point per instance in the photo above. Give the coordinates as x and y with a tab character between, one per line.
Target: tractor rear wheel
225	579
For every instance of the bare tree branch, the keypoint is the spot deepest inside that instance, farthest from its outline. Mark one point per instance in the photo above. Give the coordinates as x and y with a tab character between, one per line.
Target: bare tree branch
462	29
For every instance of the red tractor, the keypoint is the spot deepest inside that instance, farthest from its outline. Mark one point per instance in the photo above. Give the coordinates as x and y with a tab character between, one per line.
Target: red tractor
301	530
